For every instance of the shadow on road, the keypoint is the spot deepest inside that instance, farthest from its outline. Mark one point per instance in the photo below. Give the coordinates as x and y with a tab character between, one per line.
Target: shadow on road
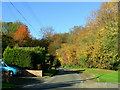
56	85
63	71
39	82
24	80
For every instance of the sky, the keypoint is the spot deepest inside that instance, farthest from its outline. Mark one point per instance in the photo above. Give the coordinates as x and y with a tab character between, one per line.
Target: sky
62	16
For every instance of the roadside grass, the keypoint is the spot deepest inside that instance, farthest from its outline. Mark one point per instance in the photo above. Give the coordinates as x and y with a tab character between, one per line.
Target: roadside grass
98	75
102	75
7	85
50	72
110	77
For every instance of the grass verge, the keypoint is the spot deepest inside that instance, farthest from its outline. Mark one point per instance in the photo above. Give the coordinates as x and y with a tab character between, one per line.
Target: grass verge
110	77
98	75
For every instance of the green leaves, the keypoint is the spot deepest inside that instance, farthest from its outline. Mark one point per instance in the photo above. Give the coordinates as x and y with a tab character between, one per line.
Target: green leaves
24	58
10	27
95	45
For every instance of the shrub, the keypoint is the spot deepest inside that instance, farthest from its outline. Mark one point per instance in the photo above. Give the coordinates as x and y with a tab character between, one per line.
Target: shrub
24	58
17	57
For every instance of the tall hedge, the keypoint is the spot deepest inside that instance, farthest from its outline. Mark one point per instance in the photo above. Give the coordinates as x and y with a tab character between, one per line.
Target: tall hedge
38	56
24	58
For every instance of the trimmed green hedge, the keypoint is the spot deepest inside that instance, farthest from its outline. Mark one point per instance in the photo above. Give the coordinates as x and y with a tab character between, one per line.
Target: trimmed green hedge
24	57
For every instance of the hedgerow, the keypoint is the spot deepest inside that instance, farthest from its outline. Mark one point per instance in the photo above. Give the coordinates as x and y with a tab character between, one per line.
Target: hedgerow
24	57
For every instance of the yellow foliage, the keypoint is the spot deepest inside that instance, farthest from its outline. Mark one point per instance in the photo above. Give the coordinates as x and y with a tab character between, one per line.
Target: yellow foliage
95	45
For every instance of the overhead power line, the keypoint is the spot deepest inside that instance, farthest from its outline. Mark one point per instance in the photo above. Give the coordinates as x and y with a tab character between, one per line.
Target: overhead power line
21	14
33	14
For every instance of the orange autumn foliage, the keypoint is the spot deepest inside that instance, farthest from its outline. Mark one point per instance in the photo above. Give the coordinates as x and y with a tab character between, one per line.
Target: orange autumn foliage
21	34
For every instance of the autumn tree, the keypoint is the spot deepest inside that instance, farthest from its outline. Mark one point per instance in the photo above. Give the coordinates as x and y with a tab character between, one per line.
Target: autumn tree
46	32
22	34
9	28
56	41
95	45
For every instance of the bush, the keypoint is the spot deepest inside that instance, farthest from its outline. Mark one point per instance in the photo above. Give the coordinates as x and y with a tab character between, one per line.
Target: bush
50	72
38	56
17	57
24	58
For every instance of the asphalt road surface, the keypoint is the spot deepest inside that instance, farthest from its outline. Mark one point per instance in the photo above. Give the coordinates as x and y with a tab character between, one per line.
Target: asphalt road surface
64	79
68	79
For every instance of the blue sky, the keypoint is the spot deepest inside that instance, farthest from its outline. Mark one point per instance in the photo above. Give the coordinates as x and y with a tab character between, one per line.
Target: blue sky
62	16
